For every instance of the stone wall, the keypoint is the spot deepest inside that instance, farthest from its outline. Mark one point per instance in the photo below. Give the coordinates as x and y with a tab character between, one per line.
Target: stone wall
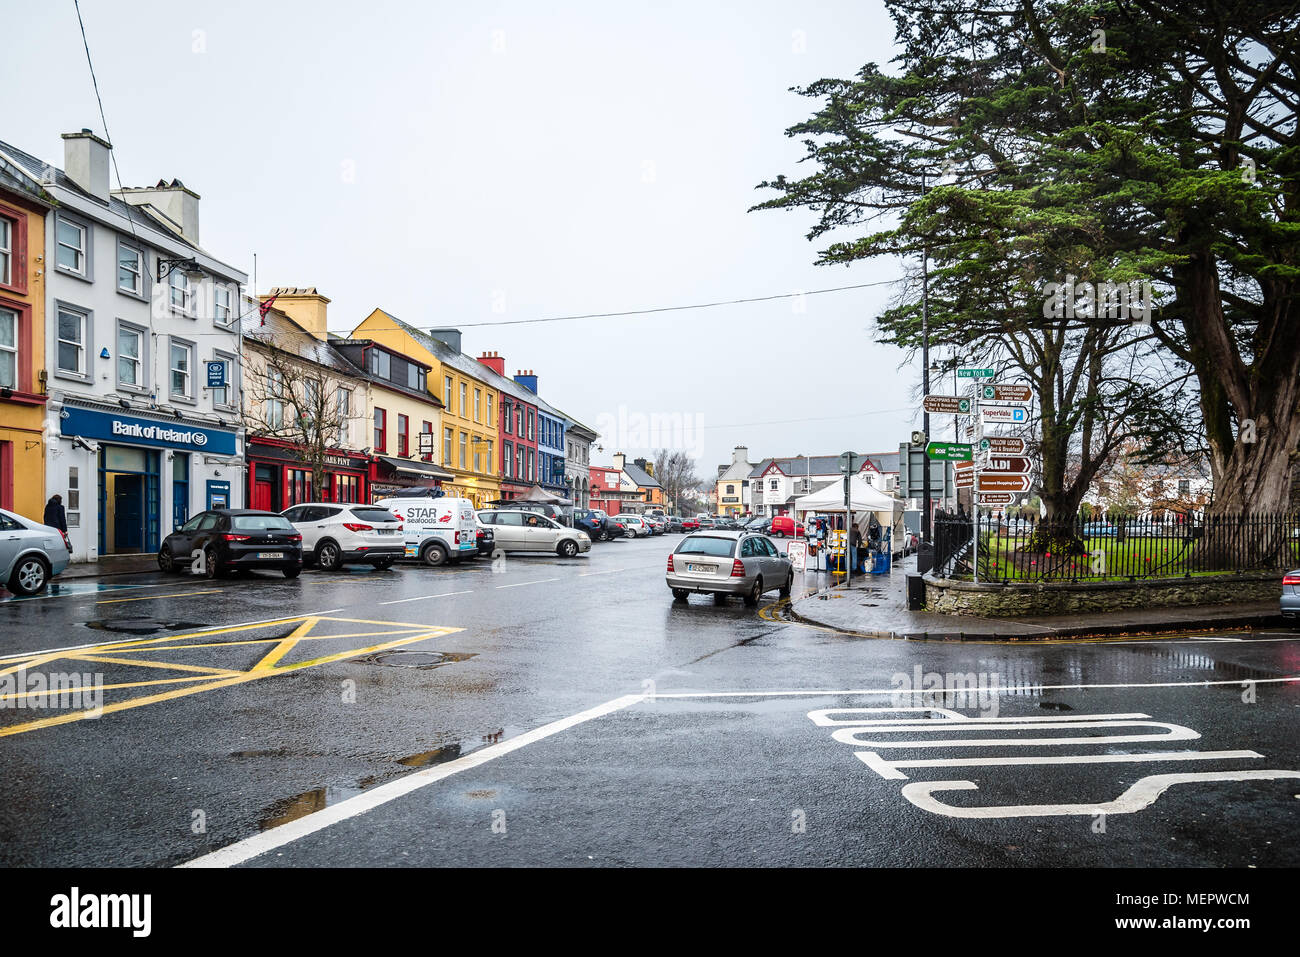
1064	598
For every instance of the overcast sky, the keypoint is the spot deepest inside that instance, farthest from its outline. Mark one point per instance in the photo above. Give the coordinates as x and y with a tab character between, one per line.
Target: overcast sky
461	163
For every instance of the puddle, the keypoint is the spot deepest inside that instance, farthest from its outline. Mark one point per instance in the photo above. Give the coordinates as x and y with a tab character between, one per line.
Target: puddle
144	626
414	659
448	752
300	805
65	589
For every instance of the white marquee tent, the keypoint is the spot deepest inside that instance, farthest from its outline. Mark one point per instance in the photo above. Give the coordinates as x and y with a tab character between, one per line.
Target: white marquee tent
864	500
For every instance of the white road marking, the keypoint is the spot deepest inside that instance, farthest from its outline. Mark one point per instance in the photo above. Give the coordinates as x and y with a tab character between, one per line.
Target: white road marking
520	584
1176	733
400	601
1017	689
101	644
1141	794
889	769
610	572
259	844
823	719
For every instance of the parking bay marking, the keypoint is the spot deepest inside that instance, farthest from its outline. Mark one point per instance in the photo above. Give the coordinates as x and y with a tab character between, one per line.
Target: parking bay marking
182	594
446	594
537	582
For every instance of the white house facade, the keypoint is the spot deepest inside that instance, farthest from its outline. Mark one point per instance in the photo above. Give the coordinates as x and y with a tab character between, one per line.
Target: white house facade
140	321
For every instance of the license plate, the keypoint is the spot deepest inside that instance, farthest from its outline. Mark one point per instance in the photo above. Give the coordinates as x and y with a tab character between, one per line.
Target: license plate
708	569
270	554
387	531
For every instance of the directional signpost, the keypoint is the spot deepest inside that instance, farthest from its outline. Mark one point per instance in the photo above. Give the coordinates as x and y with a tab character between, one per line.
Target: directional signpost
969	373
1004	415
1013	464
1002	445
964	479
995	498
1006	393
947	404
950	451
995	482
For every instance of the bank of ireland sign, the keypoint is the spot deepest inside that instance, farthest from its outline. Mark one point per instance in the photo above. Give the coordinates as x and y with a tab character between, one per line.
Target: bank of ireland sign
136	430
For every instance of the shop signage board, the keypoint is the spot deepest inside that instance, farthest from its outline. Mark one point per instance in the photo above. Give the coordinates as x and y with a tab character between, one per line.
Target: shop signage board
1013	464
947	405
216	375
1002	445
950	451
1004	415
797	552
1006	393
125	429
1003	483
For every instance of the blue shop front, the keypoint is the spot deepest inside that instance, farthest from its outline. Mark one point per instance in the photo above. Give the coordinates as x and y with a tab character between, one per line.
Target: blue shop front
128	479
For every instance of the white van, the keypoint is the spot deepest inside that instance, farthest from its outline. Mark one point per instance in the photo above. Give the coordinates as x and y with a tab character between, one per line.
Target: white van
437	530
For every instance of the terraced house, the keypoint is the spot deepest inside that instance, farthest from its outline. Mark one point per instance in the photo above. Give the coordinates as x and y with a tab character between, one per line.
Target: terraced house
467	447
138	436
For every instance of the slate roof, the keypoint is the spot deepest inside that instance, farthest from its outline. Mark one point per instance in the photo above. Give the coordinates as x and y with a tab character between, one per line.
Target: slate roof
639	476
797	465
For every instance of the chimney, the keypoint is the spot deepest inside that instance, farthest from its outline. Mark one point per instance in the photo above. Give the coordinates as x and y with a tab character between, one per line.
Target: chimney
494	361
528	380
85	160
448	337
174	202
739	454
305	306
618	461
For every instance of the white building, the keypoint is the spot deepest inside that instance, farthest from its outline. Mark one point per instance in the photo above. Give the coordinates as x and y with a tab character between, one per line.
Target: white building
776	483
136	311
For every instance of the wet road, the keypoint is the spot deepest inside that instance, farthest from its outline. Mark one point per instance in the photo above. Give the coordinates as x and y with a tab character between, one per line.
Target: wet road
568	712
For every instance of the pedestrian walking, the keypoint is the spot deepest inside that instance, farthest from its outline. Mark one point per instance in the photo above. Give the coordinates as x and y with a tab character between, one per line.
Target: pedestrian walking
54	514
855	546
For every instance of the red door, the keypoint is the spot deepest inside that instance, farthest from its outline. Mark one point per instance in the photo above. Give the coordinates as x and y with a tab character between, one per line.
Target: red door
263	492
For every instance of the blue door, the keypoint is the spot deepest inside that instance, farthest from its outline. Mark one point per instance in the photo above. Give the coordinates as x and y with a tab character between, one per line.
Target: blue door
128	513
180	489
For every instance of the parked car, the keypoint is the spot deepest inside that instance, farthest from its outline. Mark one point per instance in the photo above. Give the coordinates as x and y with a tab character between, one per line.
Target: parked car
435	530
658	524
222	540
708	522
690	524
591	521
553	512
519	530
1291	594
727	563
674	524
30	553
335	534
1099	530
783	525
485	538
760	525
634	525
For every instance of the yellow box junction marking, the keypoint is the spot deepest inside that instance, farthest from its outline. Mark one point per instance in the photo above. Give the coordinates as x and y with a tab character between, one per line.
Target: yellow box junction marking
210	678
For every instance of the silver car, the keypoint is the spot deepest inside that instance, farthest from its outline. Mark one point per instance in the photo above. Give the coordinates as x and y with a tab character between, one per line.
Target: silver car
30	553
1291	594
517	530
728	563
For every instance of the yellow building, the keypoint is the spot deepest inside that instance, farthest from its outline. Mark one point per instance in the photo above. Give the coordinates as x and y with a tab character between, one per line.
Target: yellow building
467	445
22	349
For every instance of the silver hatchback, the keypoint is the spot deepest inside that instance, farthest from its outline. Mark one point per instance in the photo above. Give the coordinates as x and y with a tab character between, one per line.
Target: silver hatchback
30	553
728	563
1291	594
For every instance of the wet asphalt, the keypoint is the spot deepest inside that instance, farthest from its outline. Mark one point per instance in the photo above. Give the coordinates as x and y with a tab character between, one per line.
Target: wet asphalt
732	772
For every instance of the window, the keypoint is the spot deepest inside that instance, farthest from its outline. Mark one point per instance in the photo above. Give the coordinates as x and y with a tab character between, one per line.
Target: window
72	341
223	312
130	269
274	400
462	402
180	292
478	457
381	430
221	394
446	392
70	246
343	404
531	461
311	402
180	368
519	421
446	446
414	377
489	418
403	435
427	429
531	430
130	356
731	490
507	460
773	484
6	251
8	348
490	460
507	419
1184	486
463	442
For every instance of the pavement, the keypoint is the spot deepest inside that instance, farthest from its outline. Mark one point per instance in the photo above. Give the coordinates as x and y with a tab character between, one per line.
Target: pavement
875	606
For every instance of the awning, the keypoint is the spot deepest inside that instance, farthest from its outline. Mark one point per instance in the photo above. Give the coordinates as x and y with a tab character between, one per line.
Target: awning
424	470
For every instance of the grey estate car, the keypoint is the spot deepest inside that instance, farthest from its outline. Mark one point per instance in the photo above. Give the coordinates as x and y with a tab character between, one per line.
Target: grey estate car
728	563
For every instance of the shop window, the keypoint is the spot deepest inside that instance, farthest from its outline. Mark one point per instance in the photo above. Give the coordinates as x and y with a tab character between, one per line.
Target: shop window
299	485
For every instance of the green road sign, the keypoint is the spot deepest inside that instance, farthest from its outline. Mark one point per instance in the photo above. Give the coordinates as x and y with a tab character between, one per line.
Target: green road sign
975	373
949	451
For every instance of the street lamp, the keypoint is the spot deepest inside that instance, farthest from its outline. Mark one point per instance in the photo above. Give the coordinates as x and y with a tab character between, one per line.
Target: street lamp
193	271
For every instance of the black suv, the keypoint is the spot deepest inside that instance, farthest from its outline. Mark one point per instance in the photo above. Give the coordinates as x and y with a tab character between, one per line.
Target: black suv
222	540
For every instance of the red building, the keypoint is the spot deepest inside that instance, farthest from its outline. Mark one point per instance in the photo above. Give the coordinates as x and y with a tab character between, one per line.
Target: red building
278	478
609	492
516	430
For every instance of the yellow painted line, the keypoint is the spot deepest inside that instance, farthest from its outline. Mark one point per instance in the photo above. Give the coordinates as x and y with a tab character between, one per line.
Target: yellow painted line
241	678
116	685
144	663
181	594
285	645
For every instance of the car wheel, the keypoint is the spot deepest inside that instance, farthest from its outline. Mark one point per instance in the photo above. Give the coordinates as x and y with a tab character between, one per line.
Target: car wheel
329	557
602	536
434	554
210	567
30	575
166	562
755	592
293	572
680	594
789	584
778	534
567	548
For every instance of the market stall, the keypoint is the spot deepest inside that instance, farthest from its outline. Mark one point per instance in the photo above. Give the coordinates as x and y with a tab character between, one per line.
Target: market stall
865	502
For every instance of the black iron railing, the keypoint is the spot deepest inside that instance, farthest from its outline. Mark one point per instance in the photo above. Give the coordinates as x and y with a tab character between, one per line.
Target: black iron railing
1114	547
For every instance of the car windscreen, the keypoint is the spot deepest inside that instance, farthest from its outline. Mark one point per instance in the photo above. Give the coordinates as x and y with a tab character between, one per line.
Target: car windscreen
369	514
261	523
707	545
